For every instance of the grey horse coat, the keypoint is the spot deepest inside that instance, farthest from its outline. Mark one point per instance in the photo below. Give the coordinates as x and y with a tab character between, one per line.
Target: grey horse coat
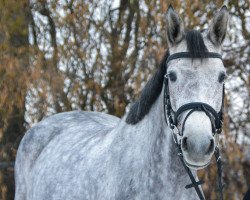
93	156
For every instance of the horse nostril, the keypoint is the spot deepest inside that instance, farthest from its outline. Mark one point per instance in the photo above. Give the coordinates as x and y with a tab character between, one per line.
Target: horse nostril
211	147
184	144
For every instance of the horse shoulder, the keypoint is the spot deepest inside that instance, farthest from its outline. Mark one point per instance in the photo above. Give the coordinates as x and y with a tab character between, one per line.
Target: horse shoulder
37	137
40	135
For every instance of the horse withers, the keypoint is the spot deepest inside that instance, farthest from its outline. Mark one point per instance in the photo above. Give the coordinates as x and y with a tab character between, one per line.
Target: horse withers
95	156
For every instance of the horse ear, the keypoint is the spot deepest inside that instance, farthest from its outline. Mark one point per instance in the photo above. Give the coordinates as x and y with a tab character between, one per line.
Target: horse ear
175	28
218	27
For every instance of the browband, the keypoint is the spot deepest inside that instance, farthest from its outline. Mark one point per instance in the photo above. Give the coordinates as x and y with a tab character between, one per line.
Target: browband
188	55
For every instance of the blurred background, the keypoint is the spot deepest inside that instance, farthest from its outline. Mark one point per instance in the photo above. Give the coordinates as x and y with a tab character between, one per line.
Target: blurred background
62	55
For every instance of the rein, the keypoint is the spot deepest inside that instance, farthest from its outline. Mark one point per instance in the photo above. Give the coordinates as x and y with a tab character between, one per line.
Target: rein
171	118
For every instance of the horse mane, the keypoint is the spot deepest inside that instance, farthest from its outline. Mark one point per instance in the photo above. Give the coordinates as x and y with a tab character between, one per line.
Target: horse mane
149	94
153	88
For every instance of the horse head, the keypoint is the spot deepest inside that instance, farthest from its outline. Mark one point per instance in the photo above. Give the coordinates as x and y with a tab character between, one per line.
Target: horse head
195	86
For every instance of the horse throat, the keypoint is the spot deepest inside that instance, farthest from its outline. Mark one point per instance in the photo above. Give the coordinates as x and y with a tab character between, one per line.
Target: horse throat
153	155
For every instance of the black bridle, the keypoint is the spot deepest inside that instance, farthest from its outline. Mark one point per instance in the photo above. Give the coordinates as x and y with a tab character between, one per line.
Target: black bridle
171	118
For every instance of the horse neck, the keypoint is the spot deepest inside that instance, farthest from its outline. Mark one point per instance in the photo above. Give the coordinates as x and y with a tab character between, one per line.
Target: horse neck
147	151
152	139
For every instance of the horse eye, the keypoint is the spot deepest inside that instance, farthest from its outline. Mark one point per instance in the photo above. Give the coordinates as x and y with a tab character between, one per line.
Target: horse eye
172	76
222	77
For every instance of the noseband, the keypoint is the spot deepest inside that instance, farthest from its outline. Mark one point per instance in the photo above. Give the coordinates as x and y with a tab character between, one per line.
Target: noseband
171	118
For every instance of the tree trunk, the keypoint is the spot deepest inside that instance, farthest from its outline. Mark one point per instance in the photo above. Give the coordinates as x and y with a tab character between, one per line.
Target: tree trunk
14	62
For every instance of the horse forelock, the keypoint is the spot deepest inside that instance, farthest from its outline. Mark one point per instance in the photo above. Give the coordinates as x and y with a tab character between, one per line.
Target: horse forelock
195	44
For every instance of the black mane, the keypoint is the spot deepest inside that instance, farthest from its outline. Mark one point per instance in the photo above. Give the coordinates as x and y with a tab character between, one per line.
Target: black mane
197	49
149	94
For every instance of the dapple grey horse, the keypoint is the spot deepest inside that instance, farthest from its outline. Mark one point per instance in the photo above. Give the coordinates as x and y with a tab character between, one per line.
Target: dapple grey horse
95	156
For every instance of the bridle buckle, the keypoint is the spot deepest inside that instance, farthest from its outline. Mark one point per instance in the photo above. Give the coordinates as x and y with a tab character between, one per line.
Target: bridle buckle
218	131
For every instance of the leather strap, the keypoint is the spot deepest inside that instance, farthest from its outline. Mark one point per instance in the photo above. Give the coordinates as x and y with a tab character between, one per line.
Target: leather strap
198	106
188	55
